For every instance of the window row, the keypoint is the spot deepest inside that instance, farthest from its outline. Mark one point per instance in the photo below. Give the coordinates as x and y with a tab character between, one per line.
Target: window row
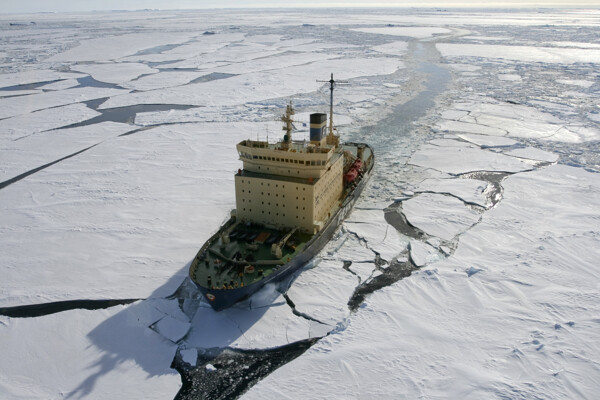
281	159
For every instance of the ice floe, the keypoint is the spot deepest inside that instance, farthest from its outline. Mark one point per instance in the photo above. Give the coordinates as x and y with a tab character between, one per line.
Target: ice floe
255	87
472	191
459	160
485	141
439	215
520	53
419	32
437	331
268	326
105	48
35	76
116	73
10	107
104	198
36	151
86	354
370	226
422	254
20	126
532	153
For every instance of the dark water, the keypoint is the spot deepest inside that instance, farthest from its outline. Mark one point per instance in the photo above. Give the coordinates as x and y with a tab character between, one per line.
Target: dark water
234	372
126	114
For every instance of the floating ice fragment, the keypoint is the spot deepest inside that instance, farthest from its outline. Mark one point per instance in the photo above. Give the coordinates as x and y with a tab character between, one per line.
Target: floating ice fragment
520	53
485	141
116	73
172	328
439	215
210	367
189	356
532	153
461	160
422	254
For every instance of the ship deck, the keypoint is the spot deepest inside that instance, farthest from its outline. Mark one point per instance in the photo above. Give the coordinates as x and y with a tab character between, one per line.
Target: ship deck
246	258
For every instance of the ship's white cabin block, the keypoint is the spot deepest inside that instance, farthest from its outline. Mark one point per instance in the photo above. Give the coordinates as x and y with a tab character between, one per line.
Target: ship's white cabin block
291	185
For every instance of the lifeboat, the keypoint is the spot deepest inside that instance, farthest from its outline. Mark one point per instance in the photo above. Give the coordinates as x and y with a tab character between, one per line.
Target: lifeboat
352	173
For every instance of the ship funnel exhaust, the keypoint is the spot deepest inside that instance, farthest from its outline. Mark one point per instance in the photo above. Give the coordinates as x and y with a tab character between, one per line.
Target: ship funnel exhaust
318	128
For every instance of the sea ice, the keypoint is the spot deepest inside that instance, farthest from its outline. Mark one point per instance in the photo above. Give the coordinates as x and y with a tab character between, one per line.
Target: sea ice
520	53
253	87
12	106
95	354
60	85
379	236
241	327
493	333
422	253
105	48
172	328
121	192
116	73
461	160
35	76
439	215
468	190
485	141
394	48
17	128
532	153
419	32
189	356
323	291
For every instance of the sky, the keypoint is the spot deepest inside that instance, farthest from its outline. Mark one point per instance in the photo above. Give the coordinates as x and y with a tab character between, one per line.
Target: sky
28	6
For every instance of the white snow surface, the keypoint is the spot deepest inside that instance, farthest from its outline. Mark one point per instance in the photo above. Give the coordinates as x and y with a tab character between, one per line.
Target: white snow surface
520	53
506	301
21	126
439	215
116	73
79	206
419	32
43	148
244	326
35	76
523	324
370	225
472	191
459	160
118	46
87	354
12	106
258	86
532	153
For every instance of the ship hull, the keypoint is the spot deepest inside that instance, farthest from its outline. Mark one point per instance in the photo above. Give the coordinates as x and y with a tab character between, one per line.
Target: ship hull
220	299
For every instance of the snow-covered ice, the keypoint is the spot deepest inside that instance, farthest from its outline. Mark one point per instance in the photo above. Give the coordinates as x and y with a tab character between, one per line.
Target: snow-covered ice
439	215
462	160
20	126
504	302
86	354
116	73
526	322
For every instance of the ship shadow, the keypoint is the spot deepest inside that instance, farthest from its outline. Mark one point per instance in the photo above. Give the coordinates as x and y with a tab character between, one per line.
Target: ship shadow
149	332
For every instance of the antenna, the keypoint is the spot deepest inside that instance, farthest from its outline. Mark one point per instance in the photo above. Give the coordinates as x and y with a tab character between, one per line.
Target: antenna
332	84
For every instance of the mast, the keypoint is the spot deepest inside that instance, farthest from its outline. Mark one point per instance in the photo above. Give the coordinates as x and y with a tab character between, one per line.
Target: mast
287	120
332	83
